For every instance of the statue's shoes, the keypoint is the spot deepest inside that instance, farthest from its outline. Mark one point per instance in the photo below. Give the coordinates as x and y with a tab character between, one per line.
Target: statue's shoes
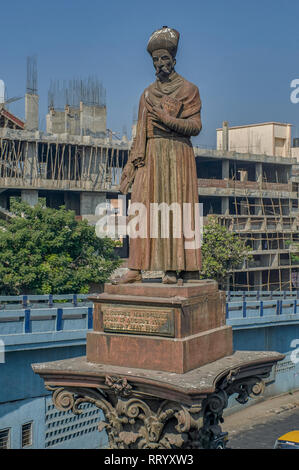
169	277
128	278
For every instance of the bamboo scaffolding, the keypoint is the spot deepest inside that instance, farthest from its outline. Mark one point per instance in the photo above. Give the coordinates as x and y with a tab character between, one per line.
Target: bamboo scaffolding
89	163
275	234
60	162
61	166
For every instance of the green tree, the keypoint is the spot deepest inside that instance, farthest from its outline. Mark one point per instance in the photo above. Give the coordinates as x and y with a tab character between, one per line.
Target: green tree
293	248
222	251
45	250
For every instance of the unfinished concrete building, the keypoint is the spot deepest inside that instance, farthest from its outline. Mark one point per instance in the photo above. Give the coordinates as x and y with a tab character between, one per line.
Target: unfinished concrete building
76	162
255	195
78	172
265	138
70	170
31	96
77	107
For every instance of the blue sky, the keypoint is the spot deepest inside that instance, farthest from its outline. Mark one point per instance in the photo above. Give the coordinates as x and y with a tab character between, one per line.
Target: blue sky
242	55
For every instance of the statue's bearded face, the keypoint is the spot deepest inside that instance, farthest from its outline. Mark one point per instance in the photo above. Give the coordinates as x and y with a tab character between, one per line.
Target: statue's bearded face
163	62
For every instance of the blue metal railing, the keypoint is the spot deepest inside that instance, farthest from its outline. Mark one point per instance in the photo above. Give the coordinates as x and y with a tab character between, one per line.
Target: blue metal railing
8	302
262	308
44	313
22	314
234	296
262	304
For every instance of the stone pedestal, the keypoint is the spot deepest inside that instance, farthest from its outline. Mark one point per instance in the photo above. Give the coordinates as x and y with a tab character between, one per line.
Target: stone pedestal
147	409
160	365
162	327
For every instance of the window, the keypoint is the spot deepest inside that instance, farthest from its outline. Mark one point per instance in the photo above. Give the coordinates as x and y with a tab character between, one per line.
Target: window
26	435
4	438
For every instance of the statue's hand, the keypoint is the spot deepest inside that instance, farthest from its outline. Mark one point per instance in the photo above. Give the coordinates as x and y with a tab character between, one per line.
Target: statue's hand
138	162
159	114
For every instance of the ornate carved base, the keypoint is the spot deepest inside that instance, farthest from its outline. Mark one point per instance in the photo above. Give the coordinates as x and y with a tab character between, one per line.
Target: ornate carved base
158	410
134	423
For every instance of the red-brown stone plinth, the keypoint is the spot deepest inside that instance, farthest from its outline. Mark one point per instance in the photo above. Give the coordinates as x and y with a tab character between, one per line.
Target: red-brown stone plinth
159	327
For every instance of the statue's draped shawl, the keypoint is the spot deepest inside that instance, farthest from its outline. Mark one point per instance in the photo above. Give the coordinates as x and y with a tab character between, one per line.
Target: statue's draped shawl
177	88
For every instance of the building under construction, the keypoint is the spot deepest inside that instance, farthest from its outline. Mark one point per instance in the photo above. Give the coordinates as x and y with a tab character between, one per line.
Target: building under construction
255	196
78	163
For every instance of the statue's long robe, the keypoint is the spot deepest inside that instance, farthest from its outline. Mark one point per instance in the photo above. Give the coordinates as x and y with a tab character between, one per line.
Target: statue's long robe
168	174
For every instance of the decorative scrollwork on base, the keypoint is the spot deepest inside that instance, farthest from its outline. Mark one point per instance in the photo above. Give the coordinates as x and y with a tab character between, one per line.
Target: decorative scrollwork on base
119	385
134	421
152	424
250	387
65	401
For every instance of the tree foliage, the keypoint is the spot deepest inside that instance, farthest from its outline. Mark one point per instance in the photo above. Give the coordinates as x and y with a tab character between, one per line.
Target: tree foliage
44	250
222	251
293	248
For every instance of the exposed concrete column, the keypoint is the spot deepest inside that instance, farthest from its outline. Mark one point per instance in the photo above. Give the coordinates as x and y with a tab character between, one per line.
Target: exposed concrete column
30	160
244	209
55	122
225	205
258	280
225	141
92	120
89	202
257	243
4	199
31	112
72	120
285	175
30	196
225	169
259	172
86	160
258	203
288	141
72	201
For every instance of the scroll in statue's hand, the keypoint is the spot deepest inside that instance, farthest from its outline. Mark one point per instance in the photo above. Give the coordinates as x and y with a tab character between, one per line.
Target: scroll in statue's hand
138	162
169	110
171	106
159	114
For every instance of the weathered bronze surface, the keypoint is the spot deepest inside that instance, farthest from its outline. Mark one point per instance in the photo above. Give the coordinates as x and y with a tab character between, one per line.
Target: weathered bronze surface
131	319
161	164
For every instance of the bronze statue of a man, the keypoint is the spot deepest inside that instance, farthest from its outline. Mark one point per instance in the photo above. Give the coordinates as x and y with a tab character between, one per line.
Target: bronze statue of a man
162	163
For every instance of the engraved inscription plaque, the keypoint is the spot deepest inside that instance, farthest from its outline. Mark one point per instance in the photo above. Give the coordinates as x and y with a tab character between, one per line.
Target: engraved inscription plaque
135	320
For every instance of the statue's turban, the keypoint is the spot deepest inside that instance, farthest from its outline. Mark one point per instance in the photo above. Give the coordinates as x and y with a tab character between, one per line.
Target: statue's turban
165	38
